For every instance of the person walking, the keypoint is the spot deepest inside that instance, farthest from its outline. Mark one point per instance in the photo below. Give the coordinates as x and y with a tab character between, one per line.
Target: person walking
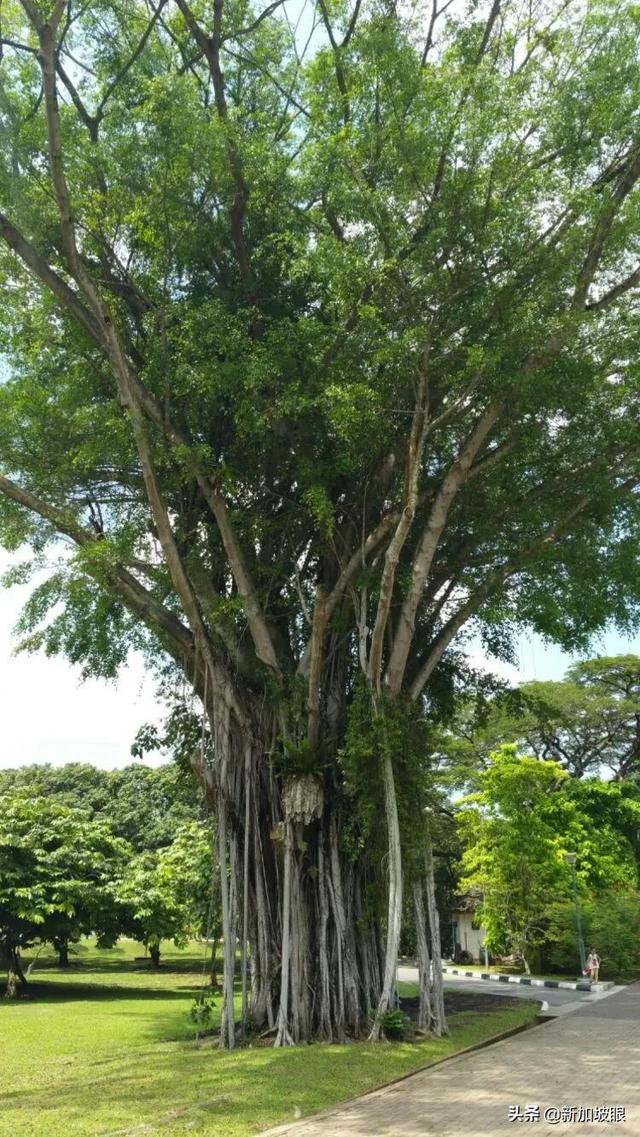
592	966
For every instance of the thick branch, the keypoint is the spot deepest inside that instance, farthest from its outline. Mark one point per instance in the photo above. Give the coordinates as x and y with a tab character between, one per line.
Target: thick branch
423	559
138	599
478	597
356	561
337	61
352	24
623	188
132	392
315	668
42	270
632	281
403	528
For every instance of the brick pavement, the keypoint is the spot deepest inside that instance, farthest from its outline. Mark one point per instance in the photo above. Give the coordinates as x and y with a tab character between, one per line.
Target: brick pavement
588	1058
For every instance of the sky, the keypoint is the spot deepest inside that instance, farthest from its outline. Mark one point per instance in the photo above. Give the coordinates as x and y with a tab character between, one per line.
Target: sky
49	714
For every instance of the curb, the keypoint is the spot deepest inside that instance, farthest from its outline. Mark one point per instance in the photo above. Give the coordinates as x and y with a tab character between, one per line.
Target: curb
290	1126
526	981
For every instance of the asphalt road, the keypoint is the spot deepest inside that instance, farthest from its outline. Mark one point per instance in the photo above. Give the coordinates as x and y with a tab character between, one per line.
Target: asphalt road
553	996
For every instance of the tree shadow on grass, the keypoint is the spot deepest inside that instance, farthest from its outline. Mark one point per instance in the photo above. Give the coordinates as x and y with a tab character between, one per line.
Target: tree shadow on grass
139	966
39	991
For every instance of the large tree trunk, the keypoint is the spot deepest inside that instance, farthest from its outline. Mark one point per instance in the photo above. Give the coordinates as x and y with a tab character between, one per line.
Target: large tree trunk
313	939
394	919
15	974
307	905
439	1020
154	952
61	945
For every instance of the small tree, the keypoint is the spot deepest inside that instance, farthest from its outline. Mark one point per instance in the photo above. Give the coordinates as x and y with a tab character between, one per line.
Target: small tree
611	922
515	829
56	869
512	850
165	895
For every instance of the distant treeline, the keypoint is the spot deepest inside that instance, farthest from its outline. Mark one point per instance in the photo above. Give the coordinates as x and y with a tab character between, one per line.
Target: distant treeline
144	806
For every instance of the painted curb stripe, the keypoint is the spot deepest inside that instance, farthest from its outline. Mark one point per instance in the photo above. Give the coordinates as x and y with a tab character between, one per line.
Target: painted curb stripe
523	980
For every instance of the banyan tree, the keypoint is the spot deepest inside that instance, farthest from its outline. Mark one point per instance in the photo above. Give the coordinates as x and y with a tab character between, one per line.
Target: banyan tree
320	339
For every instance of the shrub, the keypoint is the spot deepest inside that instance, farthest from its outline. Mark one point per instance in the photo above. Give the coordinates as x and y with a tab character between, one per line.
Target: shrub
395	1024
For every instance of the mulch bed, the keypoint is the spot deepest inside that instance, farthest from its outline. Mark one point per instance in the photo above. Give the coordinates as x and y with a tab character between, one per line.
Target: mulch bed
455	1001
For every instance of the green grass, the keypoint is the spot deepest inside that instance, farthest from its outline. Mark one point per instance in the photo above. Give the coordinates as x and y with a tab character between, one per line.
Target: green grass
108	1050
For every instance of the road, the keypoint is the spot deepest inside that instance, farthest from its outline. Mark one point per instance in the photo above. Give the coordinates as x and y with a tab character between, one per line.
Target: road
552	996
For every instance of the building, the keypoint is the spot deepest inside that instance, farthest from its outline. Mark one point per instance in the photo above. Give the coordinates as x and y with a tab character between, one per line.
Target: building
466	934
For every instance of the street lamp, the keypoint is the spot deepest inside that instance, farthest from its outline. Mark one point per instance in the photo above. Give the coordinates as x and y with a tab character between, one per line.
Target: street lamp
571	859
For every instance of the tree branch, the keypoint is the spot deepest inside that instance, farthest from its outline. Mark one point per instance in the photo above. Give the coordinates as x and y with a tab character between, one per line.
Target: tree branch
337	61
132	392
632	281
255	23
315	668
210	47
352	24
493	581
133	594
132	59
423	558
41	269
405	522
626	182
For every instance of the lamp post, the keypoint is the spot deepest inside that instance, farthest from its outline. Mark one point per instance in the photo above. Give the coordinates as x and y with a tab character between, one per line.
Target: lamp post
571	859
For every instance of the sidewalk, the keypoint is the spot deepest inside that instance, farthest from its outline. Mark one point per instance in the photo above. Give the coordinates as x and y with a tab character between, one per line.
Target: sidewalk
586	1059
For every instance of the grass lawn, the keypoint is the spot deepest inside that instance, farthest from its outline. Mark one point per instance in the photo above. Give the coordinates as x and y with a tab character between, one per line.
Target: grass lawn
107	1050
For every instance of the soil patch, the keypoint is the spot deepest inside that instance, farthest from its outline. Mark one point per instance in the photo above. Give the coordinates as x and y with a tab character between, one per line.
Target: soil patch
455	1001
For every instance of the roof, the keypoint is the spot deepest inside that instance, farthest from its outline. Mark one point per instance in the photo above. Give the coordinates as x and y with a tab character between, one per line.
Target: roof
466	902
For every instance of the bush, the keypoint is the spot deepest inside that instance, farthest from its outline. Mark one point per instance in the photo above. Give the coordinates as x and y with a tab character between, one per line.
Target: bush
201	1012
396	1024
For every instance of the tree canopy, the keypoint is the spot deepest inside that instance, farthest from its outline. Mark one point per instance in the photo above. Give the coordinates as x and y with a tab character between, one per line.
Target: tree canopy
142	805
168	895
589	722
516	828
57	874
315	358
65	874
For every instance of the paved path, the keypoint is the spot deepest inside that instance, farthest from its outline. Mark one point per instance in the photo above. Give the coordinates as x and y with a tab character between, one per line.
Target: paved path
589	1058
554	997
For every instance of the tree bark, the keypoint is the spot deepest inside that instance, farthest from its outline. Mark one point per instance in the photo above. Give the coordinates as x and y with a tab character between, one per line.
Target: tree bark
283	1036
62	948
11	991
394	918
425	1016
437	998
